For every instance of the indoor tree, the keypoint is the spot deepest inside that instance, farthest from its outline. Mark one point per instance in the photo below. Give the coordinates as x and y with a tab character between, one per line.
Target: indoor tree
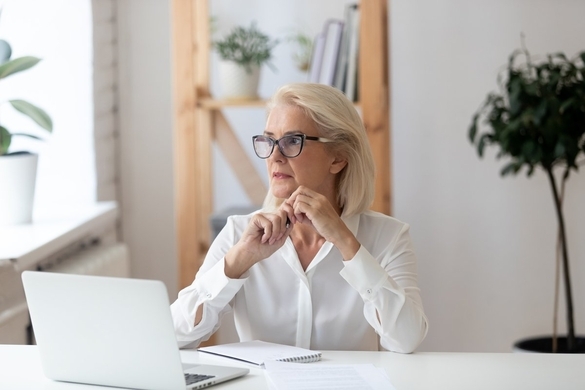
537	120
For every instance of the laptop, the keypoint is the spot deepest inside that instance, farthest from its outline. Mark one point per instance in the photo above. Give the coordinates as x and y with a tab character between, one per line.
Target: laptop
111	331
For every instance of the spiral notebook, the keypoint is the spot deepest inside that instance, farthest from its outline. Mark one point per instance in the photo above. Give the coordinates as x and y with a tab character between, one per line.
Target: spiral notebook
257	352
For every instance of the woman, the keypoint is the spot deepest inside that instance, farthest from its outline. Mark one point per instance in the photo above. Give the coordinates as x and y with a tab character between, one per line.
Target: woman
313	268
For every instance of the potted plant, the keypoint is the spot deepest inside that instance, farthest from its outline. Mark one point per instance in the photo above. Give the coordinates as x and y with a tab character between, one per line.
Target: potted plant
18	169
242	53
303	50
537	120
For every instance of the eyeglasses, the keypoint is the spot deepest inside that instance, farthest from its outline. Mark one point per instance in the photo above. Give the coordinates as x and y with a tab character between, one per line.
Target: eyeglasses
290	146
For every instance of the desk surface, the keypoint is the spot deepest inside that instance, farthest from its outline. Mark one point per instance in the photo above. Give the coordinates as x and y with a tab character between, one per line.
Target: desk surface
20	369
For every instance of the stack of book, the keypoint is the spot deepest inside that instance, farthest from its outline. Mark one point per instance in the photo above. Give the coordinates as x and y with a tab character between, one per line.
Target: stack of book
335	53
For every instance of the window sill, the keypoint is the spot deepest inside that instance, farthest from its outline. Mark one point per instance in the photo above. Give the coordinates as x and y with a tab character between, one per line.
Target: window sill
24	246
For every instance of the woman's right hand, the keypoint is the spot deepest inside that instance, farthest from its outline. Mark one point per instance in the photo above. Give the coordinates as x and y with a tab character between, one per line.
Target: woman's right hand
264	235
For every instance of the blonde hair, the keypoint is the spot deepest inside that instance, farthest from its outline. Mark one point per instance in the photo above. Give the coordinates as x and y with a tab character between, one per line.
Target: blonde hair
337	119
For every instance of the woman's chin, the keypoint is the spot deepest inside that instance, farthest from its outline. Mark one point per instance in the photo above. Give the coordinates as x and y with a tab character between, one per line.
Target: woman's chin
282	193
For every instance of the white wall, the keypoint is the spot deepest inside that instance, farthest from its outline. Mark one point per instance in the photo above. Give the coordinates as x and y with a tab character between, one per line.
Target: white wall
485	244
146	131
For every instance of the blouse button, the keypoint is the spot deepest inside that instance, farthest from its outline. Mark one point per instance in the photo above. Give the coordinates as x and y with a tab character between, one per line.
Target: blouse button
369	291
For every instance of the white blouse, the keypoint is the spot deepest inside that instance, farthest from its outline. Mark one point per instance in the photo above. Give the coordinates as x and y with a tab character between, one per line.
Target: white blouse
368	302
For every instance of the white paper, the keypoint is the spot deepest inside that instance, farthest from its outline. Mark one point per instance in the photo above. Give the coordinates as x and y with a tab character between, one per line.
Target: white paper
296	376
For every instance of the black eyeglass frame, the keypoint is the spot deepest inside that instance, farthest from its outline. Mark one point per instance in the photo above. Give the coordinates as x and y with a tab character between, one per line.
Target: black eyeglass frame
303	137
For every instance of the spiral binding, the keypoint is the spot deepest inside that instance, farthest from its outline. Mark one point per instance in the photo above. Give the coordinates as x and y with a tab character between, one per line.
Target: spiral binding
302	359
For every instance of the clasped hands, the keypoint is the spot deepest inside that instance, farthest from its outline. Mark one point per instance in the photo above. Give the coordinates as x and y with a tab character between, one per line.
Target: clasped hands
267	231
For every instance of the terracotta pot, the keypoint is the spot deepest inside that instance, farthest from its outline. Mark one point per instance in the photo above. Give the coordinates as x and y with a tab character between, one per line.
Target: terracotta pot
18	174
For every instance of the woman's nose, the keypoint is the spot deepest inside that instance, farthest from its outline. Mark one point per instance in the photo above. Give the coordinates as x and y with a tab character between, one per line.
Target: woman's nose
277	154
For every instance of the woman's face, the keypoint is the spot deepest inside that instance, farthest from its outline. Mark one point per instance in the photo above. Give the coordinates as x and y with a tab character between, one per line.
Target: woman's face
314	168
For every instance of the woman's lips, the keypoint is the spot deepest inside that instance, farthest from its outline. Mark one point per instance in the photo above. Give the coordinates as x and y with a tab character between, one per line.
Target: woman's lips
278	175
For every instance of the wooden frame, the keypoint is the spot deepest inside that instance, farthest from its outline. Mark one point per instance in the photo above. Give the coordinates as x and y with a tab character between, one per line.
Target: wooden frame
199	121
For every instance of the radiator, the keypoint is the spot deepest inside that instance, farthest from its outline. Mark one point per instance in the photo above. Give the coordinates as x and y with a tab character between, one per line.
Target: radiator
106	260
100	260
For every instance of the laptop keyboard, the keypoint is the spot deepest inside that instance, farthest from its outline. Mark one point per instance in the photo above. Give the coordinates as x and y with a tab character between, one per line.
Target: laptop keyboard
194	378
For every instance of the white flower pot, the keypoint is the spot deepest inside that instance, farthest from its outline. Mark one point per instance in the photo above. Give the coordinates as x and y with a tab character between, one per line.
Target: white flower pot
236	82
17	187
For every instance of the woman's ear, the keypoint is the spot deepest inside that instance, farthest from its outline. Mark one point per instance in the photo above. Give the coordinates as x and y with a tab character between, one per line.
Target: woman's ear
337	165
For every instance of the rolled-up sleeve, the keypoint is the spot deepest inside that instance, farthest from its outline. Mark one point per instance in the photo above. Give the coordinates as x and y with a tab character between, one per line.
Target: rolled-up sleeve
214	291
388	285
211	289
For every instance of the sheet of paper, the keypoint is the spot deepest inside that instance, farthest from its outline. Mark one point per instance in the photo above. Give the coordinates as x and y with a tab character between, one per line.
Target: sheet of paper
297	376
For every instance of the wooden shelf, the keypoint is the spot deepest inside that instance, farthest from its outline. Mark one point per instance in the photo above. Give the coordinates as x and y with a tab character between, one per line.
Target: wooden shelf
217	104
199	121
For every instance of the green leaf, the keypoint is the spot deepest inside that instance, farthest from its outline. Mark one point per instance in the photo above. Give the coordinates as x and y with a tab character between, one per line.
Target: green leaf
566	104
508	168
473	128
481	144
5	51
5	139
34	112
540	112
27	135
17	65
512	168
528	150
559	150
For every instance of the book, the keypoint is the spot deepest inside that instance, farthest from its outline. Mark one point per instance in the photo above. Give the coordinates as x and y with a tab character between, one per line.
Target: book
341	71
316	58
258	352
350	88
333	32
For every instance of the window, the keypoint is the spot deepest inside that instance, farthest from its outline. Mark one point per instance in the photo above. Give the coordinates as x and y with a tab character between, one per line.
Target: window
60	33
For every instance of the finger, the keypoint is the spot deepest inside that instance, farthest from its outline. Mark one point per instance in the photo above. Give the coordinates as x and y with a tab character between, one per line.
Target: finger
302	207
264	225
288	215
284	224
311	210
277	223
300	212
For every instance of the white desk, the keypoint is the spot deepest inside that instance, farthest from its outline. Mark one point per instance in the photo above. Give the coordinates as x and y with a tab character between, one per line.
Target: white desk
20	369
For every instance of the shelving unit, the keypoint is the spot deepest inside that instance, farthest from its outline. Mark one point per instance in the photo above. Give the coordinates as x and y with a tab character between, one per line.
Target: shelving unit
199	121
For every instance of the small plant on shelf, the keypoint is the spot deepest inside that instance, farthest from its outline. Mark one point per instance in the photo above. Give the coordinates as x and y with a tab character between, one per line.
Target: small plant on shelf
246	46
303	50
